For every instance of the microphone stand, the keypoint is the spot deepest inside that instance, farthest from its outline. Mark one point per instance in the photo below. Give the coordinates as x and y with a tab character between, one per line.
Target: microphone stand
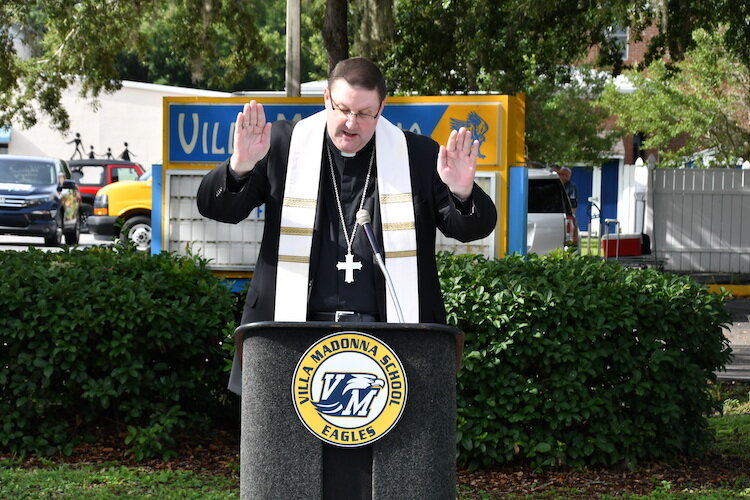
363	219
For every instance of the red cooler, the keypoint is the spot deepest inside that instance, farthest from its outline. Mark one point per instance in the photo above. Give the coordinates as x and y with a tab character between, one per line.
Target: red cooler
623	245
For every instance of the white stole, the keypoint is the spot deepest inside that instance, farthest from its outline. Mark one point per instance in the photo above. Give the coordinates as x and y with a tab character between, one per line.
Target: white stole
298	218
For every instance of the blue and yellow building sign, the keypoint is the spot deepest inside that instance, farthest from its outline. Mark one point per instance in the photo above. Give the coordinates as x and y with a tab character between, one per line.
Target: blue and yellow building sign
198	131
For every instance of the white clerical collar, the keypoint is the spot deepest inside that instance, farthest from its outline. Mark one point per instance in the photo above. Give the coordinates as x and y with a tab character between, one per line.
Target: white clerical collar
342	153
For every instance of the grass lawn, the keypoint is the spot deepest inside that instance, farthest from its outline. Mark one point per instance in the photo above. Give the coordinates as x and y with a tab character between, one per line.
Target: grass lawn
113	482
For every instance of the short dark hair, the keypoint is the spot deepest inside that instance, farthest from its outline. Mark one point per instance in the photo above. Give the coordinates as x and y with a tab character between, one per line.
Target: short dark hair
359	72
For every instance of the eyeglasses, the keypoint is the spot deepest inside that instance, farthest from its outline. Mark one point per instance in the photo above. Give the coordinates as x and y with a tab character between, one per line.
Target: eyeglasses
352	114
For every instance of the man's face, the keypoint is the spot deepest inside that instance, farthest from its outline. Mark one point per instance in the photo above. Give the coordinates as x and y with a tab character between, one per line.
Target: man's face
349	133
564	176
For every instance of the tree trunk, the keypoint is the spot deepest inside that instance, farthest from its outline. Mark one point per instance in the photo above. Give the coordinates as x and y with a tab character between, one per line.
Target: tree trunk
375	28
335	34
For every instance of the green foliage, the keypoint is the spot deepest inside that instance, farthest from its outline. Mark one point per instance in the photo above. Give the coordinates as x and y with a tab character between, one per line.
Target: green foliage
702	100
94	45
109	337
564	125
732	434
509	47
574	360
494	46
109	483
194	43
676	20
155	439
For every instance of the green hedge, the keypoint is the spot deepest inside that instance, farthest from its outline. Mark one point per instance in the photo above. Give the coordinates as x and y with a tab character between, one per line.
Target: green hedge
574	360
110	338
568	360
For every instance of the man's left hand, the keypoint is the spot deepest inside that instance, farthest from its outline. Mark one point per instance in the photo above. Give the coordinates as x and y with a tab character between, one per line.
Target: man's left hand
457	163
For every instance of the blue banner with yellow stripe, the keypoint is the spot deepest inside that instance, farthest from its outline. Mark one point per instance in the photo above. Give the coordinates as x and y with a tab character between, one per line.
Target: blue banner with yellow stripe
202	132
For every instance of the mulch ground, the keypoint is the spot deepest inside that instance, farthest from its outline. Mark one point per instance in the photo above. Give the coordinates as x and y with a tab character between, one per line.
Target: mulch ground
690	473
220	455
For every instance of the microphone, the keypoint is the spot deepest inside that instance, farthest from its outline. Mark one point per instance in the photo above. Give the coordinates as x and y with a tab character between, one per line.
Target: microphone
363	219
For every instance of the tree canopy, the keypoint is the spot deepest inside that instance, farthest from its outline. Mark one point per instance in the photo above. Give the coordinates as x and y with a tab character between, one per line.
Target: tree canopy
469	45
565	124
215	44
703	100
424	46
530	46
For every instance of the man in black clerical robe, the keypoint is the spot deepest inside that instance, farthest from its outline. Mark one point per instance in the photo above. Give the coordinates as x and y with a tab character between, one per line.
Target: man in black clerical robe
443	196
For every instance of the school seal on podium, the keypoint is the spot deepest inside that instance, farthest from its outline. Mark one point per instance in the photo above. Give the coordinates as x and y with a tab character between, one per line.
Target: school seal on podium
349	389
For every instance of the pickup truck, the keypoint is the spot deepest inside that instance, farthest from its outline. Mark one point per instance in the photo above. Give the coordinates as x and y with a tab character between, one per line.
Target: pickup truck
123	210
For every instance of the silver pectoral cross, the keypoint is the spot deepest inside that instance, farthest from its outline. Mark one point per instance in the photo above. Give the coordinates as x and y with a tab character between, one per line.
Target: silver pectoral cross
349	266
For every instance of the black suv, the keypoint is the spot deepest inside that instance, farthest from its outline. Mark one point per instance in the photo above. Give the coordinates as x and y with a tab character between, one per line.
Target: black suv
39	198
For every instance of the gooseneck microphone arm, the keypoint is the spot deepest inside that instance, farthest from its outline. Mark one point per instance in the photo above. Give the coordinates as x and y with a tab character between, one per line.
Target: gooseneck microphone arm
363	219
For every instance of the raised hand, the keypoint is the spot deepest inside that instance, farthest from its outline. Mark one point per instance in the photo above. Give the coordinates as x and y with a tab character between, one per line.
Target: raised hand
252	138
457	163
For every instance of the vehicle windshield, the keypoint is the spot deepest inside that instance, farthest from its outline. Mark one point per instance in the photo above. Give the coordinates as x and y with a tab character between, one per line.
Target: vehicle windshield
89	175
547	196
27	172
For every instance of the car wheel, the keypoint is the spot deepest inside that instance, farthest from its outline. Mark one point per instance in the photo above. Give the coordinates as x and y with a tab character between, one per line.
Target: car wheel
72	237
55	239
137	230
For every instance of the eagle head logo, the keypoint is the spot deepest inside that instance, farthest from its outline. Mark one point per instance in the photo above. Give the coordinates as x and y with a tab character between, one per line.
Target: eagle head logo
476	125
348	394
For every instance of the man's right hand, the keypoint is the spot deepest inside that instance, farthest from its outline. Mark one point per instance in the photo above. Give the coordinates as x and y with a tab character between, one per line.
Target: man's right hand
252	138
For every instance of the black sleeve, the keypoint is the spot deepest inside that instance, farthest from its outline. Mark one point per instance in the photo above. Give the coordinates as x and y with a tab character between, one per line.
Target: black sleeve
466	221
465	207
227	197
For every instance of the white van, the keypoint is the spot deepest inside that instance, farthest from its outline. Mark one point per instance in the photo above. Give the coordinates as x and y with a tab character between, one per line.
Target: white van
551	221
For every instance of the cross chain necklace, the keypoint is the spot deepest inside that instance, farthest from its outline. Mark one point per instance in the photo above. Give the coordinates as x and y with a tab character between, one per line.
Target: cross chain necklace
349	266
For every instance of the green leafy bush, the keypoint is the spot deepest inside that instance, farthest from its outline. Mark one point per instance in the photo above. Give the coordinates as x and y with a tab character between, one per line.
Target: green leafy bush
110	338
574	360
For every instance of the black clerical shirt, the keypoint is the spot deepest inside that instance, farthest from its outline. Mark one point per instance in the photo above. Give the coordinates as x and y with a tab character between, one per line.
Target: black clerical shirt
329	291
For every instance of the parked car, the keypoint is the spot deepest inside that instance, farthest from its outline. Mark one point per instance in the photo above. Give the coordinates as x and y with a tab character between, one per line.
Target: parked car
123	210
38	197
91	175
551	221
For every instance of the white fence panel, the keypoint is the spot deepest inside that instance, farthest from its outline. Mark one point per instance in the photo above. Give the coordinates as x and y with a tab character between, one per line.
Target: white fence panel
626	201
700	219
231	247
235	247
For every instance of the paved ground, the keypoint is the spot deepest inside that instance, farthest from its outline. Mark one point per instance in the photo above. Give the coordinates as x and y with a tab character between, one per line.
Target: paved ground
739	337
21	243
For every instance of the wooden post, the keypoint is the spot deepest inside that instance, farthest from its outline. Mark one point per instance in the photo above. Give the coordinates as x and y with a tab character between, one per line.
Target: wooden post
293	15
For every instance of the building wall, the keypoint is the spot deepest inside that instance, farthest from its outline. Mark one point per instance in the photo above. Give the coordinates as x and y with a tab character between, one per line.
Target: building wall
636	49
132	114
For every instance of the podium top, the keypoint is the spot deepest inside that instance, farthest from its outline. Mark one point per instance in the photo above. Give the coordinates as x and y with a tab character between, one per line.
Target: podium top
258	327
315	328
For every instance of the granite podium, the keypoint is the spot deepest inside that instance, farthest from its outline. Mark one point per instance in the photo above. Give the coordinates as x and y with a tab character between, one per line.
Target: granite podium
348	410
